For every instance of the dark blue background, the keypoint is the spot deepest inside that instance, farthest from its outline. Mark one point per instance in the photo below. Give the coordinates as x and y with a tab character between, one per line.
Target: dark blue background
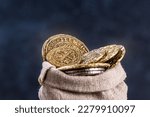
26	24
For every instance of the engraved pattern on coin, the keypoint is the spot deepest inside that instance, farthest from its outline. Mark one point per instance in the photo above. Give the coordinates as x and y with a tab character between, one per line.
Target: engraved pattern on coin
64	55
93	56
111	51
61	40
118	57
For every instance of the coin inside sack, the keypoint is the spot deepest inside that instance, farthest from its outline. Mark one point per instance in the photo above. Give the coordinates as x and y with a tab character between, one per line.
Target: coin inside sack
111	51
84	66
118	57
93	56
100	55
61	40
64	55
71	56
85	72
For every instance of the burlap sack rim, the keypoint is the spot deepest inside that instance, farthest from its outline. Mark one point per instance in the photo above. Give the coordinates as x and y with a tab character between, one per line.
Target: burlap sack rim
105	81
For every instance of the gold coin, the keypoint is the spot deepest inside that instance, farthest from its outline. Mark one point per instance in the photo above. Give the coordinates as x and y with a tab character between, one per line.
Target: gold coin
111	51
118	57
44	49
93	56
122	53
82	66
61	40
64	55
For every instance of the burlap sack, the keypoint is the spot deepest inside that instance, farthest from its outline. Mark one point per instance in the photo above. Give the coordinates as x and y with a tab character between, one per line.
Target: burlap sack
57	85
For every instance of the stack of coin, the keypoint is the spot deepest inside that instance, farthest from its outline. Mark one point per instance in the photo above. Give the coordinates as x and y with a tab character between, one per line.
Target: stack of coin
85	69
85	72
111	54
72	57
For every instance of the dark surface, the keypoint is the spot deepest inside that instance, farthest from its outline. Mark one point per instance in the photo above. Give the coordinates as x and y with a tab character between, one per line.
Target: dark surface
26	24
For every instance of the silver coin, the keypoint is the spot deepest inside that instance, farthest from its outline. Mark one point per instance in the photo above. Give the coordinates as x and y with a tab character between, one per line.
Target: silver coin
93	73
84	70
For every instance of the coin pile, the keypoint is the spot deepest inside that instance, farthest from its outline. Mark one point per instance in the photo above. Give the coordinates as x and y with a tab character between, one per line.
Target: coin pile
71	56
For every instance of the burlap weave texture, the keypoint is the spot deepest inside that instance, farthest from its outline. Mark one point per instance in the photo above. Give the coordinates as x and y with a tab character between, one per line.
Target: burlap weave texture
57	85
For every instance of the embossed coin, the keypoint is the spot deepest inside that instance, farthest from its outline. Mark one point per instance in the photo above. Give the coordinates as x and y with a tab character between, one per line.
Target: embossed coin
122	51
118	57
64	55
61	40
111	51
93	56
82	66
44	47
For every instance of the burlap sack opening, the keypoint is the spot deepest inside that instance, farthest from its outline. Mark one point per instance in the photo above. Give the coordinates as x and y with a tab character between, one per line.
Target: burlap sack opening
57	85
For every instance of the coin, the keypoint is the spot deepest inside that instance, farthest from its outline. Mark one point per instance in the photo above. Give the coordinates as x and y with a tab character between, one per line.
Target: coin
93	56
111	51
86	73
118	57
44	50
81	66
64	55
61	40
84	70
122	53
